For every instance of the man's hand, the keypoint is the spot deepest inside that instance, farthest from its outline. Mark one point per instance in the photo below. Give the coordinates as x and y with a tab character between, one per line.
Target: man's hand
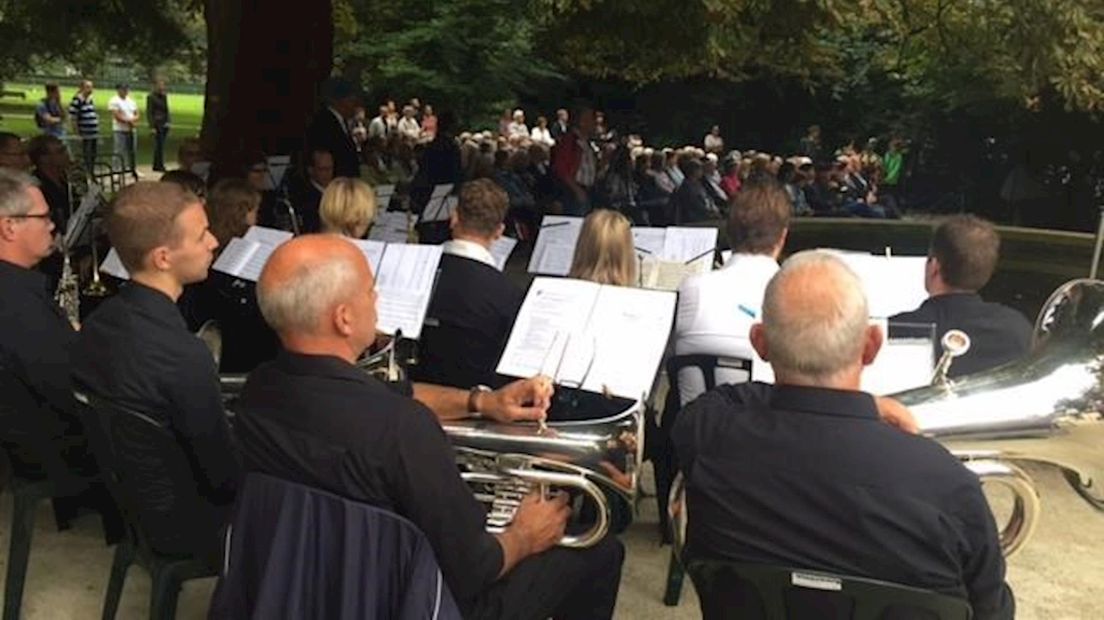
525	399
895	414
540	523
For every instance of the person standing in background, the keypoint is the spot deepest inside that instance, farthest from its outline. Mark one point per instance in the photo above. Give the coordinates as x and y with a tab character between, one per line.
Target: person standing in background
157	111
50	115
82	111
124	120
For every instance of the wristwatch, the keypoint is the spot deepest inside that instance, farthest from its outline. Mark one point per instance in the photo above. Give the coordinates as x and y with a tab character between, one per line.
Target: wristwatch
472	409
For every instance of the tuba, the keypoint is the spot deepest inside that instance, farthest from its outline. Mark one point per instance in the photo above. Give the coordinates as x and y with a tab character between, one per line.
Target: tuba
596	460
1046	408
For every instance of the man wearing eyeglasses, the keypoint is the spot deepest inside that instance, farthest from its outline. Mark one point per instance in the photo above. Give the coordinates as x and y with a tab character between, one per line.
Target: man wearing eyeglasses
39	426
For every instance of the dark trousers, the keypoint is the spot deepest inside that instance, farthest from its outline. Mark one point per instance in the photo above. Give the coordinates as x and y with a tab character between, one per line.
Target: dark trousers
160	134
565	584
88	151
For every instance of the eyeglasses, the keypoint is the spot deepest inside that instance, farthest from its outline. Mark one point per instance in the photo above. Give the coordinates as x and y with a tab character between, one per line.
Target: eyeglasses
30	216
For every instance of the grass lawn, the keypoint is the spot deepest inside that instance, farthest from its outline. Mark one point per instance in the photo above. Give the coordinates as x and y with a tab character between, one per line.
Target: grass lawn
17	116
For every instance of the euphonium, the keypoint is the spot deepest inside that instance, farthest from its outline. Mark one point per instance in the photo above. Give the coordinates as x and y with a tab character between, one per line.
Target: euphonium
595	458
1046	408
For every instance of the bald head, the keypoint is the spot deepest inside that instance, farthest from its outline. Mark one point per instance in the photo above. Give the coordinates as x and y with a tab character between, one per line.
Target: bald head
815	326
318	290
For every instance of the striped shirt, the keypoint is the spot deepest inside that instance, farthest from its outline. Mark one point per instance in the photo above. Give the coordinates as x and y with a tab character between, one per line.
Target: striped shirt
83	113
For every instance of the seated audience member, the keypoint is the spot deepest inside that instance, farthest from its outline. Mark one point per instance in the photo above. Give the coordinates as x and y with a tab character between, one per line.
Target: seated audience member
348	208
963	255
306	193
474	306
136	351
730	179
51	165
691	203
604	252
13	153
312	417
41	429
833	487
716	309
791	181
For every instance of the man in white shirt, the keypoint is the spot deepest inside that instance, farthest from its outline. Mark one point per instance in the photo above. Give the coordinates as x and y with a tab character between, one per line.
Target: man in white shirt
124	119
717	309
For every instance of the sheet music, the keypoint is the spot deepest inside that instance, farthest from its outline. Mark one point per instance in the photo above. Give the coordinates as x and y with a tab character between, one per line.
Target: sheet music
81	217
372	250
439	209
684	244
555	245
440	191
649	241
266	236
384	192
501	250
243	259
667	275
893	284
277	167
405	283
901	364
113	265
391	227
587	335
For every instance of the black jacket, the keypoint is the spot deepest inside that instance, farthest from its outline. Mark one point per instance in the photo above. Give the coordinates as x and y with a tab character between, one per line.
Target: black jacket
467	324
326	132
998	334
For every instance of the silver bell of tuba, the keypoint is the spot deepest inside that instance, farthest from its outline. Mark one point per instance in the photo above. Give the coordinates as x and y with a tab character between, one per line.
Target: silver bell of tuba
596	459
67	294
1046	408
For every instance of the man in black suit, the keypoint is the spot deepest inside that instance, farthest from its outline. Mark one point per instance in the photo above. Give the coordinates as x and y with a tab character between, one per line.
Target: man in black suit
962	258
473	309
807	473
306	190
330	128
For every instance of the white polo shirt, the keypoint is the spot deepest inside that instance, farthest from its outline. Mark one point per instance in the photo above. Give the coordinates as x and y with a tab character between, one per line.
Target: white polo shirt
715	312
127	107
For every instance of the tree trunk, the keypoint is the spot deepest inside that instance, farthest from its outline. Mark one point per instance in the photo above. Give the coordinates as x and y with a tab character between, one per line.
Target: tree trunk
265	63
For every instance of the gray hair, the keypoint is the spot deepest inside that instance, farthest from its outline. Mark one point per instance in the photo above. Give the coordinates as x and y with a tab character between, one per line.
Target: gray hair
14	197
297	304
819	337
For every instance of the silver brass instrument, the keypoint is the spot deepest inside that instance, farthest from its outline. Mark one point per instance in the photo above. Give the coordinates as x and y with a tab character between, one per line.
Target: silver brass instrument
385	364
1046	408
96	287
598	458
67	294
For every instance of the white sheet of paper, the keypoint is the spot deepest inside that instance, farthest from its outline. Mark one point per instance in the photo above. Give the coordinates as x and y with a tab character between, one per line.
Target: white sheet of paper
243	259
590	336
113	265
683	244
391	226
440	191
649	241
266	236
893	284
902	363
405	284
373	251
666	275
384	192
555	245
501	250
78	223
439	209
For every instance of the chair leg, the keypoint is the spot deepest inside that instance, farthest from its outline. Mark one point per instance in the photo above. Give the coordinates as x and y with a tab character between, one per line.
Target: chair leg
124	556
165	588
675	575
19	551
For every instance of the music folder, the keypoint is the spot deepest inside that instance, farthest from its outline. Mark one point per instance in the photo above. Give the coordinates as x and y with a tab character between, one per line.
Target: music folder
112	265
555	245
78	223
267	236
501	250
440	204
600	338
392	226
277	167
404	283
243	258
893	284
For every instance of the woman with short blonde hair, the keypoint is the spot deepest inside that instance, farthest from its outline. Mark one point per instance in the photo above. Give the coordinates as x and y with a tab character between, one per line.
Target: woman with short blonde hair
604	253
348	207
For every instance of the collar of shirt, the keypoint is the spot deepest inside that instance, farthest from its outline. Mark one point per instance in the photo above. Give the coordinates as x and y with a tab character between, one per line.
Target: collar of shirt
739	260
319	366
321	190
469	249
960	299
23	278
154	302
826	401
